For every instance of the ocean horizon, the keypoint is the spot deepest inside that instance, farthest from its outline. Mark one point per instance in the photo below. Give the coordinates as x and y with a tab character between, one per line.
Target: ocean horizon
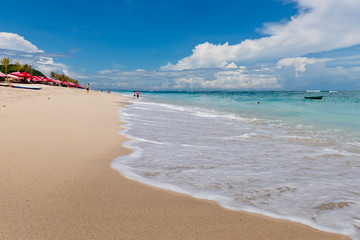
269	152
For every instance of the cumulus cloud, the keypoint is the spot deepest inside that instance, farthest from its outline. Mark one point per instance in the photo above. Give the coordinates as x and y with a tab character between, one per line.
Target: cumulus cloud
47	65
12	41
192	79
231	65
299	63
231	79
321	25
17	48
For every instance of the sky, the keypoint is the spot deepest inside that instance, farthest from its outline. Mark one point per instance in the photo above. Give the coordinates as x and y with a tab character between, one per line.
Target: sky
188	45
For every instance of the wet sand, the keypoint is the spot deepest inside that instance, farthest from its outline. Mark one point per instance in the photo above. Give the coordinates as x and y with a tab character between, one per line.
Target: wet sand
56	147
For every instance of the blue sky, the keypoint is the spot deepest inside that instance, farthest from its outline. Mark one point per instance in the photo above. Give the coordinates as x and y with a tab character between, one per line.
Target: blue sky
183	44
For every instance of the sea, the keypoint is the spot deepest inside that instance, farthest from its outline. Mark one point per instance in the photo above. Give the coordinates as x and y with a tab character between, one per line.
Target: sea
273	153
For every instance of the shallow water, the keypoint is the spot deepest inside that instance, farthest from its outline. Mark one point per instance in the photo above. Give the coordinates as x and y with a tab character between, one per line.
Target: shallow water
286	157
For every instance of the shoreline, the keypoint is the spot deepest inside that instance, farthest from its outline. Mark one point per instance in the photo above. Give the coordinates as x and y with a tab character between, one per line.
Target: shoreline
57	182
128	172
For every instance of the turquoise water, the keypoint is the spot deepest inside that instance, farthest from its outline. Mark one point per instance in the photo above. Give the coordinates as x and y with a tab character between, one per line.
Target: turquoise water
284	157
335	109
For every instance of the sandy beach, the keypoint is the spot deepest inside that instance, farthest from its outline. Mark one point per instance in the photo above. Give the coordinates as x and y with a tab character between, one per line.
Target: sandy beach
56	182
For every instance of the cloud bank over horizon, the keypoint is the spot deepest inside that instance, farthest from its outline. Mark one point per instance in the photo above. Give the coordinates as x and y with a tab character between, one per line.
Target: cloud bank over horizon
321	25
305	52
277	61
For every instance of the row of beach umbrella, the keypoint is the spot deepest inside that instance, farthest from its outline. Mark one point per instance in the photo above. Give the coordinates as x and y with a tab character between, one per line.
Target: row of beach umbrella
25	75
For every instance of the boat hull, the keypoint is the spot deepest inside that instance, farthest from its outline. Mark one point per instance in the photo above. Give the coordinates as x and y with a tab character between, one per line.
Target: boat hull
315	97
25	87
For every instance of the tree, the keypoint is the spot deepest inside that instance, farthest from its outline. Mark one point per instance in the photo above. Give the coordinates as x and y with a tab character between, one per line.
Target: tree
27	68
5	62
18	66
63	77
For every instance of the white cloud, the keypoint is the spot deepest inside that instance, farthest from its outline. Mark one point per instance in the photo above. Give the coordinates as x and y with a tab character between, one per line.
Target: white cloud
46	65
18	49
215	78
231	65
321	25
236	79
16	42
299	63
240	80
105	71
190	82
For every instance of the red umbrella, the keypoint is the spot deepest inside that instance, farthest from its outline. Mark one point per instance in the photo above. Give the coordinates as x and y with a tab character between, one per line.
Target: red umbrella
3	75
15	73
37	79
74	85
49	80
23	74
14	77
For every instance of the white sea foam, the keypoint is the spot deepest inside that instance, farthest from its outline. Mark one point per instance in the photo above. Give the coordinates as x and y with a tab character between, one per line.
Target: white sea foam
269	166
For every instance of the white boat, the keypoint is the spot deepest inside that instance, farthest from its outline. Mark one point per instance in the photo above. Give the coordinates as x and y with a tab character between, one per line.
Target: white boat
25	87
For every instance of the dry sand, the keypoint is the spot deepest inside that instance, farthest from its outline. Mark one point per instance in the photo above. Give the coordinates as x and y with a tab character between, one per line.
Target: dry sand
56	146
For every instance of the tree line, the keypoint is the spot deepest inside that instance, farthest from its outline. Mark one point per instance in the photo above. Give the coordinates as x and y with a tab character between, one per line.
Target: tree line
63	77
6	68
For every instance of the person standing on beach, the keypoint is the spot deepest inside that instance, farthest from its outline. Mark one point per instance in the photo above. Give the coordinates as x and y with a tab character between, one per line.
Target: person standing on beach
87	87
137	94
134	94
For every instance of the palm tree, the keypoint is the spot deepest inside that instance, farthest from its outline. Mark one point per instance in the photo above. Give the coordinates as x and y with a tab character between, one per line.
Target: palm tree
18	66
5	62
27	68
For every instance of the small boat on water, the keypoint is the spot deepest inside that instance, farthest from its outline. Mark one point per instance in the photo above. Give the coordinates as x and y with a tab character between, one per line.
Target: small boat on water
314	97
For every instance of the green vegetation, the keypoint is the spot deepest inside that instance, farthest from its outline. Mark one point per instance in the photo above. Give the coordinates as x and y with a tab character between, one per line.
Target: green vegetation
18	66
63	77
25	68
5	62
6	68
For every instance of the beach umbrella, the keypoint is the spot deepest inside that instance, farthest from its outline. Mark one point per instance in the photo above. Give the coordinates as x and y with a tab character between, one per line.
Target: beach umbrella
3	75
74	85
49	80
23	74
37	79
13	76
15	73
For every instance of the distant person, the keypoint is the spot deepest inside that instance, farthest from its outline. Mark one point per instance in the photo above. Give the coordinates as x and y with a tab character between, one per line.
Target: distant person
87	87
137	94
108	91
134	94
